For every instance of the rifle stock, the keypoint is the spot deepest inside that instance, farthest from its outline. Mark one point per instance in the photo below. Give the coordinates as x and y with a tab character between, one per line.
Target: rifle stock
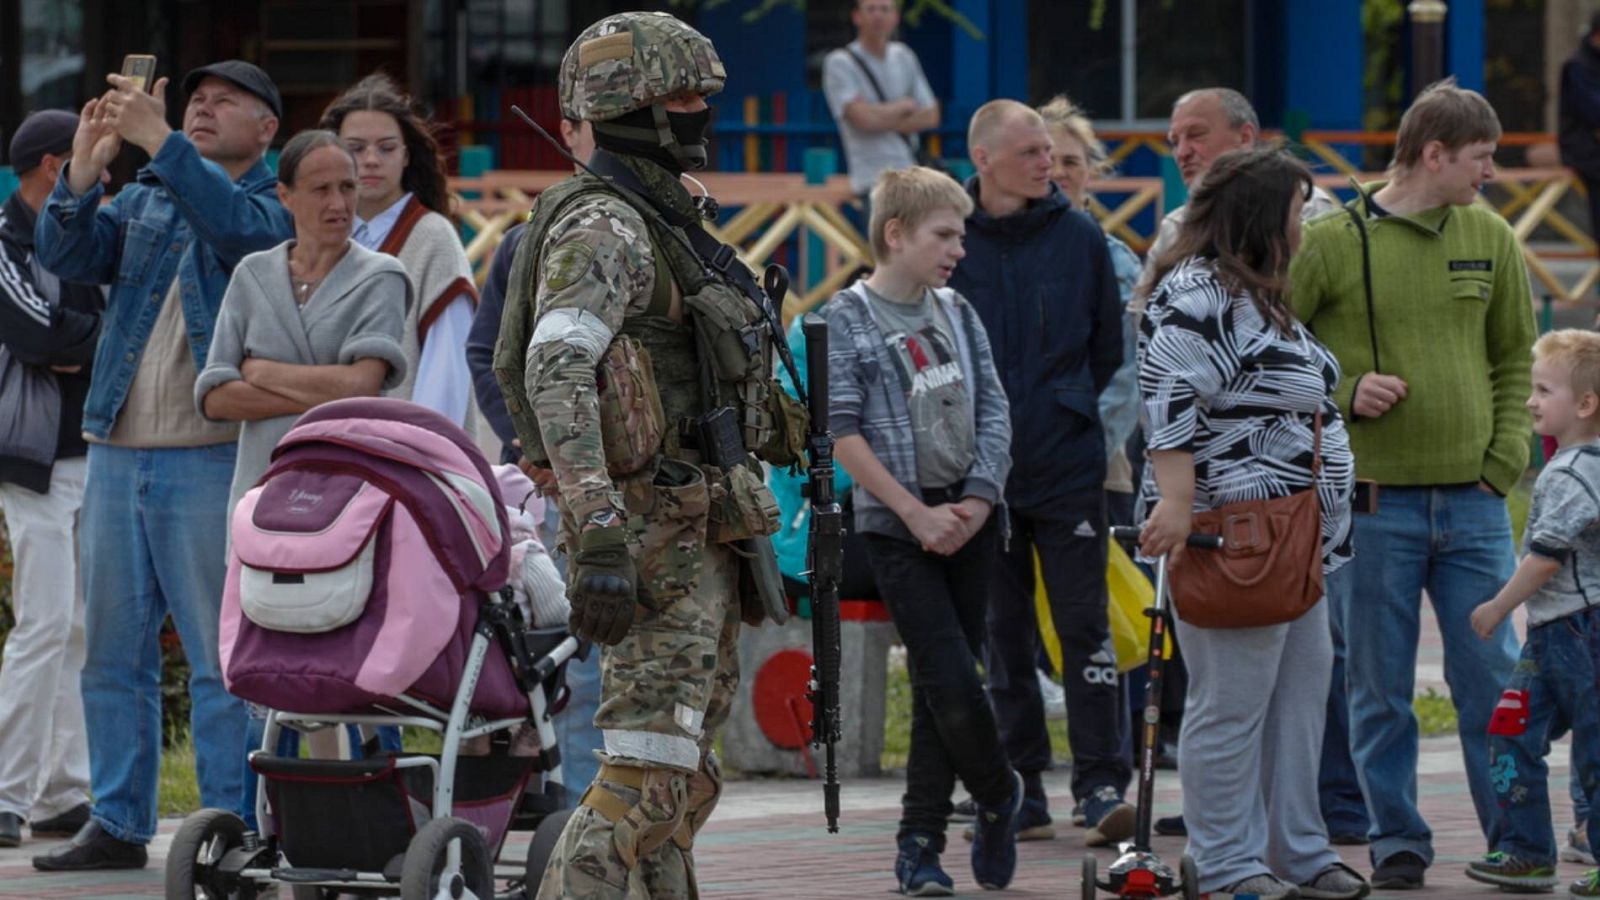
825	557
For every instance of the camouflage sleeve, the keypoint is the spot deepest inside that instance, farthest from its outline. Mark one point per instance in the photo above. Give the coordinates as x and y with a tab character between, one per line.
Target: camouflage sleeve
596	268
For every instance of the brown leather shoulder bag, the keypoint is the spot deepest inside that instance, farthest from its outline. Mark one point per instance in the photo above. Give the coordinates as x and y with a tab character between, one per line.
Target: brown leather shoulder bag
1269	569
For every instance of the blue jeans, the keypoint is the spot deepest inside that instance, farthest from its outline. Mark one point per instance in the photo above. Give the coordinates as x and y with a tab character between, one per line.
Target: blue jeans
1455	543
152	543
1558	671
1344	809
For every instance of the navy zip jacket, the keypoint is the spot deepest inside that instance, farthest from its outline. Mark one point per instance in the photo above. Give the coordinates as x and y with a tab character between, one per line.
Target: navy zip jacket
1043	283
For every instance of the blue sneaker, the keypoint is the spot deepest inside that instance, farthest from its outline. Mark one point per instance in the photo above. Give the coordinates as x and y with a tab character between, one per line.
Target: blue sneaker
1109	817
917	868
994	840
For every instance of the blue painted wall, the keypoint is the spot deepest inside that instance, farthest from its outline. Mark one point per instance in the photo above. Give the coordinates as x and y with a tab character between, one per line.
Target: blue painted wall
1464	43
1323	57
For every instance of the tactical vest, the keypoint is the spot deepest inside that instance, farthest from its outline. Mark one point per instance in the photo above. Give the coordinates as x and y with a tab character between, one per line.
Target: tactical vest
720	355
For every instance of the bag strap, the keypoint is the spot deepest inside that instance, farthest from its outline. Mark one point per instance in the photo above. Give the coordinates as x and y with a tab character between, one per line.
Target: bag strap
877	89
1316	445
1366	281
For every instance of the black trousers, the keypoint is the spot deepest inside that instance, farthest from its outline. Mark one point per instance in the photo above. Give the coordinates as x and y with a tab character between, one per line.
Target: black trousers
1070	536
937	603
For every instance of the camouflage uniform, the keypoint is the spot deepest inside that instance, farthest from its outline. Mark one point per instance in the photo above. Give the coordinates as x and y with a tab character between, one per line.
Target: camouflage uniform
667	686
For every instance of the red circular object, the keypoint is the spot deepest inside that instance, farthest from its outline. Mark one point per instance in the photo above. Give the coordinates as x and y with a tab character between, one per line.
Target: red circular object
779	694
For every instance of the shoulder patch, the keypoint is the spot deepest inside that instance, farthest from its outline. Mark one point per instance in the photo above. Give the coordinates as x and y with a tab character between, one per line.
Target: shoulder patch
566	264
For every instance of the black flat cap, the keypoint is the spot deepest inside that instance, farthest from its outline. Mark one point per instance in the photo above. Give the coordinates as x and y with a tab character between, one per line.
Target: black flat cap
49	131
244	75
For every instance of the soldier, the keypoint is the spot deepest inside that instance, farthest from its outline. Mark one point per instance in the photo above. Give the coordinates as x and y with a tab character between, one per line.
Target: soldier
652	458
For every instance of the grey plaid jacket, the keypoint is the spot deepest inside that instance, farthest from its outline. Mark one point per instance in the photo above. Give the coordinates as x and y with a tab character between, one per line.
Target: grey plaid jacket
866	397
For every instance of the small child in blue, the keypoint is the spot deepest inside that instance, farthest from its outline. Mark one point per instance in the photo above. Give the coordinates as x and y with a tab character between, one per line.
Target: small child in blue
1556	684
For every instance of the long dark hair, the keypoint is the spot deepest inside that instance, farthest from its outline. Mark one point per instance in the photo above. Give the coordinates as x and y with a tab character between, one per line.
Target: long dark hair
424	174
1238	219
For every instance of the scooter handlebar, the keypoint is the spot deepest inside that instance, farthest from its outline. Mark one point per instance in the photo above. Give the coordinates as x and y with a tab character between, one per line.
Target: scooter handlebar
1128	534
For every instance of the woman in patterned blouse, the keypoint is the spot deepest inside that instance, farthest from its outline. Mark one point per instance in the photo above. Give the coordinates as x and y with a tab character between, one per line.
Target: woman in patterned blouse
1231	383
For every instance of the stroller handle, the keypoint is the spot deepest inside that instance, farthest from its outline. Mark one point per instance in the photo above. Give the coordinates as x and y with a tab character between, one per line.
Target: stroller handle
1129	534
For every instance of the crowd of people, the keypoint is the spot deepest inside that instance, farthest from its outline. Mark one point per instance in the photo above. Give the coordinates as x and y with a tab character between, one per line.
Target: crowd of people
989	377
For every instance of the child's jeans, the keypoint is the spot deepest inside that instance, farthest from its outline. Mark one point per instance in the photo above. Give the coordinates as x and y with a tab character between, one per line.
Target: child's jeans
1555	682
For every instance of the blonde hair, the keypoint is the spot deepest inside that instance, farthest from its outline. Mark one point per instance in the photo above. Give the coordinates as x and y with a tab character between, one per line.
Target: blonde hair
1443	112
911	195
1061	113
1578	350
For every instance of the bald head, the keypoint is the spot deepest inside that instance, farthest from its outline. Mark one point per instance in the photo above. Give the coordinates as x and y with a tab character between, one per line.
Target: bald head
992	117
1010	150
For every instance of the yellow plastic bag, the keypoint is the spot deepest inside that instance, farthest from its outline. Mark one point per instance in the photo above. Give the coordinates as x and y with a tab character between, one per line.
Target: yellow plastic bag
1130	595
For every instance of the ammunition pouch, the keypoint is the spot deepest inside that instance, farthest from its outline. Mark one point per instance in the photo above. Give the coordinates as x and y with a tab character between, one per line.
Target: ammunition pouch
738	343
631	421
742	506
791	422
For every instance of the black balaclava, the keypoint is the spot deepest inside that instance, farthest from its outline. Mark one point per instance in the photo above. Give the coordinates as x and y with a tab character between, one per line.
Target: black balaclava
675	141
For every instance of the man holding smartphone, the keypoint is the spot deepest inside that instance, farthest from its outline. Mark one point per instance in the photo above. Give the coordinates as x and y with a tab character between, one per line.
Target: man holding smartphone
154	520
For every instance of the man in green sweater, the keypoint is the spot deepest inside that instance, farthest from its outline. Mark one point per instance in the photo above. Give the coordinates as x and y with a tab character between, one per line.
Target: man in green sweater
1423	297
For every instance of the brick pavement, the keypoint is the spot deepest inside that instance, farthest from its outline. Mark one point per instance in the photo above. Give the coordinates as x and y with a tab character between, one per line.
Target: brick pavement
767	838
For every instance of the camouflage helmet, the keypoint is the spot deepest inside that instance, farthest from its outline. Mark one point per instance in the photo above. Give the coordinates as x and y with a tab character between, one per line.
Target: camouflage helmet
632	61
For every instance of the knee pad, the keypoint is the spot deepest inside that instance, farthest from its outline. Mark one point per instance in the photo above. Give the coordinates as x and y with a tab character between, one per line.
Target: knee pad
641	829
705	789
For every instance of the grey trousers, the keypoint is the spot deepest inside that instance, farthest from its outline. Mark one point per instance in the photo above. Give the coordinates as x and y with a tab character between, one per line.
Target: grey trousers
1250	747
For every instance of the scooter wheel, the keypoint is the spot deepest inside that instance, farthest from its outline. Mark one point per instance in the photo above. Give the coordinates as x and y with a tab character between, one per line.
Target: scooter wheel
1191	878
1089	864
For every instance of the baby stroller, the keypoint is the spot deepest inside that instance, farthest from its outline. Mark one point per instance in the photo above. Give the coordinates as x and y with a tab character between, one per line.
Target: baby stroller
366	586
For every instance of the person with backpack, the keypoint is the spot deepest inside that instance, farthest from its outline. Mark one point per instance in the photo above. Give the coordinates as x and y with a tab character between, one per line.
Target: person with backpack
635	355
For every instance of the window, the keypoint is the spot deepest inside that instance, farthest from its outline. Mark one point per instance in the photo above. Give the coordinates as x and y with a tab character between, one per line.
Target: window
1126	60
52	53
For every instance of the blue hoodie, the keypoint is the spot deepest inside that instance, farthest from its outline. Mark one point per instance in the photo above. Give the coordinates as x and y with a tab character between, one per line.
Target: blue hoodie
1045	287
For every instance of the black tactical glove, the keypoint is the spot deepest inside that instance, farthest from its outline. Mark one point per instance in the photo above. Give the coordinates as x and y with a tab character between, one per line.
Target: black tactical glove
603	588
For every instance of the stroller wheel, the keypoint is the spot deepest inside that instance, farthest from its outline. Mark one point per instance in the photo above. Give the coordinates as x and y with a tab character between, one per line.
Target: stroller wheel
447	858
201	842
1089	866
1191	878
541	847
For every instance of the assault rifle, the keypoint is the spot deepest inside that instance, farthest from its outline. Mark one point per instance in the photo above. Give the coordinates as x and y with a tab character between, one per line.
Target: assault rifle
825	557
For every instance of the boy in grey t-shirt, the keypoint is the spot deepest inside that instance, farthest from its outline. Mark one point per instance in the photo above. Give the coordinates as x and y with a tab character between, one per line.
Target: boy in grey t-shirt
1554	684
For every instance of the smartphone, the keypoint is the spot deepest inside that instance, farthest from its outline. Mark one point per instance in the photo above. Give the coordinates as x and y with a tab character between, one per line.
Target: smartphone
141	67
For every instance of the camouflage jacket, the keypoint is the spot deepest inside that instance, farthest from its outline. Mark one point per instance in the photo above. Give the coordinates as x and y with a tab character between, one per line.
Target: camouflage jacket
597	269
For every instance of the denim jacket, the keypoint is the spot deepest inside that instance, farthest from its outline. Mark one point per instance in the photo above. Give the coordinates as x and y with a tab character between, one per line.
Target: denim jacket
182	217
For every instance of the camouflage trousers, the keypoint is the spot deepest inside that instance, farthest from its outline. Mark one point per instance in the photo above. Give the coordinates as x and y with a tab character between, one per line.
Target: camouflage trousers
665	690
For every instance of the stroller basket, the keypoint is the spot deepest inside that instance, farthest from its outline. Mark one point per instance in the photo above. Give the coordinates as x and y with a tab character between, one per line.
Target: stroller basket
362	813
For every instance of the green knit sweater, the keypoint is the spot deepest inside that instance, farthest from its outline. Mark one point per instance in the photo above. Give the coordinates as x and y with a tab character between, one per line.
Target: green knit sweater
1453	319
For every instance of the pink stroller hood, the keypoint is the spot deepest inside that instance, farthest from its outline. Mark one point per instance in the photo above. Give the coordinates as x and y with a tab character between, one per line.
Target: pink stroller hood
353	559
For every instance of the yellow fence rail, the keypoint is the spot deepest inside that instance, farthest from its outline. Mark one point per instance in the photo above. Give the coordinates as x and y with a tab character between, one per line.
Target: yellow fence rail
773	208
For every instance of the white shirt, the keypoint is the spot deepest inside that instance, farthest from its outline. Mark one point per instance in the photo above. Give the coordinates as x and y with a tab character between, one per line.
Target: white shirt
443	383
869	153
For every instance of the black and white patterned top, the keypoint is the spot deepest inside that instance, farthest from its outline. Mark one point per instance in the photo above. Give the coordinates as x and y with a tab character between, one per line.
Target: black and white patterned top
1219	381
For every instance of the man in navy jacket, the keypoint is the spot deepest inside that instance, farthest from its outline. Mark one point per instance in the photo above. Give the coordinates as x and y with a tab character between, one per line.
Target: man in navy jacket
1040	276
